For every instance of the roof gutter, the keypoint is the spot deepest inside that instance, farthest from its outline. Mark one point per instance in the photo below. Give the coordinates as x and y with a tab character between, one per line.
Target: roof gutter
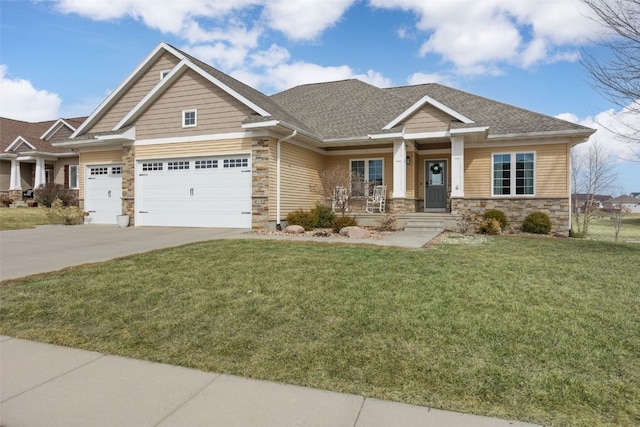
278	150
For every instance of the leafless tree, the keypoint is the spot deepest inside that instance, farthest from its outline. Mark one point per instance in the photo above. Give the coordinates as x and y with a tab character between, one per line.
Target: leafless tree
591	173
617	216
617	76
340	187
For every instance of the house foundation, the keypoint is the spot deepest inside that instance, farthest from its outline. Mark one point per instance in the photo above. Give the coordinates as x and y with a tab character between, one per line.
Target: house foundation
517	209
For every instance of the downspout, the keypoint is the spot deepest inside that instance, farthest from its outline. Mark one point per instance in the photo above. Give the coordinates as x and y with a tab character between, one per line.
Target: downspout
286	138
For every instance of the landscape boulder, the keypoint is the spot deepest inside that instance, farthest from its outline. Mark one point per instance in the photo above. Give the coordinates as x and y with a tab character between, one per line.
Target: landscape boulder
355	233
294	229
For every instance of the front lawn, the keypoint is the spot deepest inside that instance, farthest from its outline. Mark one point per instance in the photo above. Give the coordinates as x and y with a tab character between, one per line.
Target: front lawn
542	330
20	218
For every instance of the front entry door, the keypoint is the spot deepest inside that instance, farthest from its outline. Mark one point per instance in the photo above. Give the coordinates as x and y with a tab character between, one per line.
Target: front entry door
435	197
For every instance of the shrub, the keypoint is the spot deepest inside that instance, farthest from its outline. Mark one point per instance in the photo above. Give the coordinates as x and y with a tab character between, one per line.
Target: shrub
341	222
537	223
324	215
49	193
577	234
68	215
497	215
388	223
5	200
306	219
490	226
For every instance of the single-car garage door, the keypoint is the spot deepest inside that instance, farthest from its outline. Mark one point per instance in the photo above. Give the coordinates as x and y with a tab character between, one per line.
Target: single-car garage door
103	193
210	191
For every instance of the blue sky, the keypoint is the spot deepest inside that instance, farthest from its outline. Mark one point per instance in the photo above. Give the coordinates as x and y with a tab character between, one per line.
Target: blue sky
62	58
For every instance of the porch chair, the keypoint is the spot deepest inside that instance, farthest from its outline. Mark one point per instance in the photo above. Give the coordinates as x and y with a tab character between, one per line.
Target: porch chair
377	199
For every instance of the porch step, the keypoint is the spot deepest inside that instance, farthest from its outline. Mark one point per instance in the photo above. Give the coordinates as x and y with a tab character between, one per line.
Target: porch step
18	204
426	224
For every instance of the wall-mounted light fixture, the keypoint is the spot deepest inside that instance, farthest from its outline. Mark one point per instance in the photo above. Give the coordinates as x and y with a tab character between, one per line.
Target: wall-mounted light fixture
408	160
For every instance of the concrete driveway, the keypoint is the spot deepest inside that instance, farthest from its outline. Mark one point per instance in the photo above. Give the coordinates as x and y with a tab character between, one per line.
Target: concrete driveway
52	247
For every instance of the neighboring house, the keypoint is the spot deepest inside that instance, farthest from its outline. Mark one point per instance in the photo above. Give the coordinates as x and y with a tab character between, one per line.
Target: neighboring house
635	194
180	143
590	202
630	204
28	160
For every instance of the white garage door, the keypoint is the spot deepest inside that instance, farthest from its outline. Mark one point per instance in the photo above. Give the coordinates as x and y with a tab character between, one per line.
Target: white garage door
194	192
103	193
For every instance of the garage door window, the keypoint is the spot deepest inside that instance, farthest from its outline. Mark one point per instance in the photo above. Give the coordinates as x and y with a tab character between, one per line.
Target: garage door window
99	171
236	163
206	164
116	170
174	166
153	166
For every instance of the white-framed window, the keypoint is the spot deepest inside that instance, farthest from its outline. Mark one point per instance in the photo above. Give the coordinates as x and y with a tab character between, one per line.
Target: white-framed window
99	170
73	176
177	165
152	166
235	163
116	170
206	164
189	118
513	174
365	174
164	73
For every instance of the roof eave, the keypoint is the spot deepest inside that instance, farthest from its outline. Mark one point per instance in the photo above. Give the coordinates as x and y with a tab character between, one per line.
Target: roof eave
586	133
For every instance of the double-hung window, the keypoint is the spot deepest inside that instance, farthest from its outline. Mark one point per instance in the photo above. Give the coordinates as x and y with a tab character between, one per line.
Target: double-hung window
513	174
365	174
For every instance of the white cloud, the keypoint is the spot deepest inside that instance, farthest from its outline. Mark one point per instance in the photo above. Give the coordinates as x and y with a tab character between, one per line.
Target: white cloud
614	128
304	19
21	101
478	37
422	78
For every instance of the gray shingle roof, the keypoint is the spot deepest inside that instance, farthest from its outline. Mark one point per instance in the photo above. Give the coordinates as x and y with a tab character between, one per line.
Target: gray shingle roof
10	129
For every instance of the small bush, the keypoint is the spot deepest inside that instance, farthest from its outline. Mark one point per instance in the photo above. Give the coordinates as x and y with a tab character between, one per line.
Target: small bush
537	223
324	215
497	215
490	226
5	200
68	215
49	193
577	234
306	219
341	222
388	223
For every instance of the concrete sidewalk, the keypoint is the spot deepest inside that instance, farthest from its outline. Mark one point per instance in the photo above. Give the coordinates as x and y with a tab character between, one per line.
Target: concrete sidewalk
46	385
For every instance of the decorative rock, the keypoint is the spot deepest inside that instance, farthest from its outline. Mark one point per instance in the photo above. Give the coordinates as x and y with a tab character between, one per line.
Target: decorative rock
294	229
355	233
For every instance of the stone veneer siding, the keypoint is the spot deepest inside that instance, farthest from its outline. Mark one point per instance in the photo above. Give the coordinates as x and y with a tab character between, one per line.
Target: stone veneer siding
517	209
401	206
128	182
260	184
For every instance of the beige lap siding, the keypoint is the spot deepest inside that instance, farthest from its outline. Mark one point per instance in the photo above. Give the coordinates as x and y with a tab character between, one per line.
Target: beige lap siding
428	119
551	169
193	149
96	158
299	177
217	112
138	91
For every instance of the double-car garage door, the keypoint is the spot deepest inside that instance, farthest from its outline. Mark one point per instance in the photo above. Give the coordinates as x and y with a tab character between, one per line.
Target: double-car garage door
194	192
211	191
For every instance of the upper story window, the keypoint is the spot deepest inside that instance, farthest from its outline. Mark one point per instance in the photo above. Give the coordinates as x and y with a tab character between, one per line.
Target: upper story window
513	174
365	174
163	74
189	118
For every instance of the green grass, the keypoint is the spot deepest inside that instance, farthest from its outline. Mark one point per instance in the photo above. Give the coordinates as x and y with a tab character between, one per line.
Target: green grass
543	330
20	218
601	228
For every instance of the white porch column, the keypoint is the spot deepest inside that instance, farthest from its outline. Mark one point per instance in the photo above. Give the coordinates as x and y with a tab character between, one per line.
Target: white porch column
40	176
15	180
457	166
399	170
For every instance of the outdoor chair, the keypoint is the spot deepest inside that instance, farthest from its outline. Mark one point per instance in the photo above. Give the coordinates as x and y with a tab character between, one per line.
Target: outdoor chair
377	199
